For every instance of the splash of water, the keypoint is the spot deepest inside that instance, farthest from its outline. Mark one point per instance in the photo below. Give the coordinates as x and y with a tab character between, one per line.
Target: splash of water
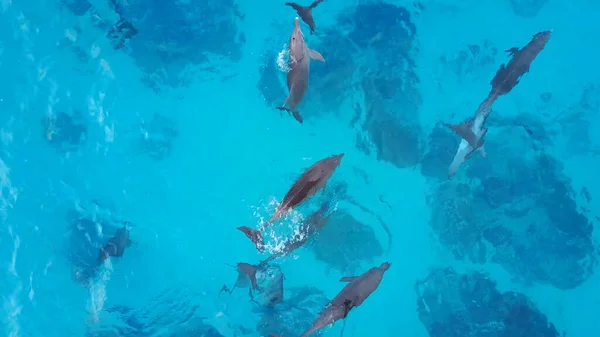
282	59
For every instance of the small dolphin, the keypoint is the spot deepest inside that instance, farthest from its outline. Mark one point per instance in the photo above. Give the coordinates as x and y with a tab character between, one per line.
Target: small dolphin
246	278
309	183
313	224
305	12
353	295
299	64
115	245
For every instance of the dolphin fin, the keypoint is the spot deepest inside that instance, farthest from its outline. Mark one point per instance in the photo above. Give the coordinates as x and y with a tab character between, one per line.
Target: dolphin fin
301	10
482	151
464	132
315	55
294	113
250	271
347	278
255	236
513	51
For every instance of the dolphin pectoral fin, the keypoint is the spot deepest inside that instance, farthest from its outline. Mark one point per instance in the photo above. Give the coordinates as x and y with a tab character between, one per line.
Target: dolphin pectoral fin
255	236
347	278
315	55
464	132
296	115
482	151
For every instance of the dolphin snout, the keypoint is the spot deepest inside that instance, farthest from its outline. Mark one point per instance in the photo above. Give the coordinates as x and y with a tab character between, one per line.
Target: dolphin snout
385	266
297	22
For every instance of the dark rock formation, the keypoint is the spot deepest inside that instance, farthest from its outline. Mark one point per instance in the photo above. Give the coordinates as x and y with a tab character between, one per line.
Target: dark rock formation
469	305
157	137
294	315
345	243
519	211
527	8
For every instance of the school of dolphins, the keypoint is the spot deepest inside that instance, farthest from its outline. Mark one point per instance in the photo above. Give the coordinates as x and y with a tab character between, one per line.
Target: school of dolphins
357	289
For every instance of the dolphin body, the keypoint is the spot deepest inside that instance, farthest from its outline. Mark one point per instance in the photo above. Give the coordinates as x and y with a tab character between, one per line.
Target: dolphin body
308	227
309	183
115	245
299	64
472	131
353	295
305	12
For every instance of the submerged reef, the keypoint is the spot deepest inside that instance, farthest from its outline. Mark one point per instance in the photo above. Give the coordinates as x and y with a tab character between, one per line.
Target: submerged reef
65	131
176	40
345	243
469	305
172	313
88	230
470	60
369	65
158	136
295	315
527	8
518	210
171	42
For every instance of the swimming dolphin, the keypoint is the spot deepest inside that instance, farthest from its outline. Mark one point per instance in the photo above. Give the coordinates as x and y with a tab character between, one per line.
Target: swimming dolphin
246	278
305	12
507	77
472	131
353	295
309	183
313	224
115	245
299	64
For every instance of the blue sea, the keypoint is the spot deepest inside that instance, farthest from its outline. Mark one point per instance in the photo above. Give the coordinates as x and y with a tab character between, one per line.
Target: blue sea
159	119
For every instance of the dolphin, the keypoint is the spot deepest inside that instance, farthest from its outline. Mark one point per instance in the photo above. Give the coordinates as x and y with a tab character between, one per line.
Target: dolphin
115	245
305	12
353	295
472	131
246	278
309	183
507	77
299	64
308	227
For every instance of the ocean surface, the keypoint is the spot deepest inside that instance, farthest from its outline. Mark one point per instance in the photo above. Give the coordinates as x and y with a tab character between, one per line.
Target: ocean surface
159	119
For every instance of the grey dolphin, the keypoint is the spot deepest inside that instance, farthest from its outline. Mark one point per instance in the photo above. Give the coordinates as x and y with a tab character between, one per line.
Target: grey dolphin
353	295
507	77
305	12
310	226
299	64
309	183
472	131
115	245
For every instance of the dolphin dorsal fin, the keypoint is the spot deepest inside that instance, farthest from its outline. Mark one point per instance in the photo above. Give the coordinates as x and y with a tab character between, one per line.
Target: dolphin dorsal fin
347	278
513	51
315	55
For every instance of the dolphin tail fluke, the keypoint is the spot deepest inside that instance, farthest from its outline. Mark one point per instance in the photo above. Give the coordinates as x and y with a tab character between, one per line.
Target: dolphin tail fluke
254	235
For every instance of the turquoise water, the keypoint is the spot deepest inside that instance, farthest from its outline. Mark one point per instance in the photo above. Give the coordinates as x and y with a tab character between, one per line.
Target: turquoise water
176	132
